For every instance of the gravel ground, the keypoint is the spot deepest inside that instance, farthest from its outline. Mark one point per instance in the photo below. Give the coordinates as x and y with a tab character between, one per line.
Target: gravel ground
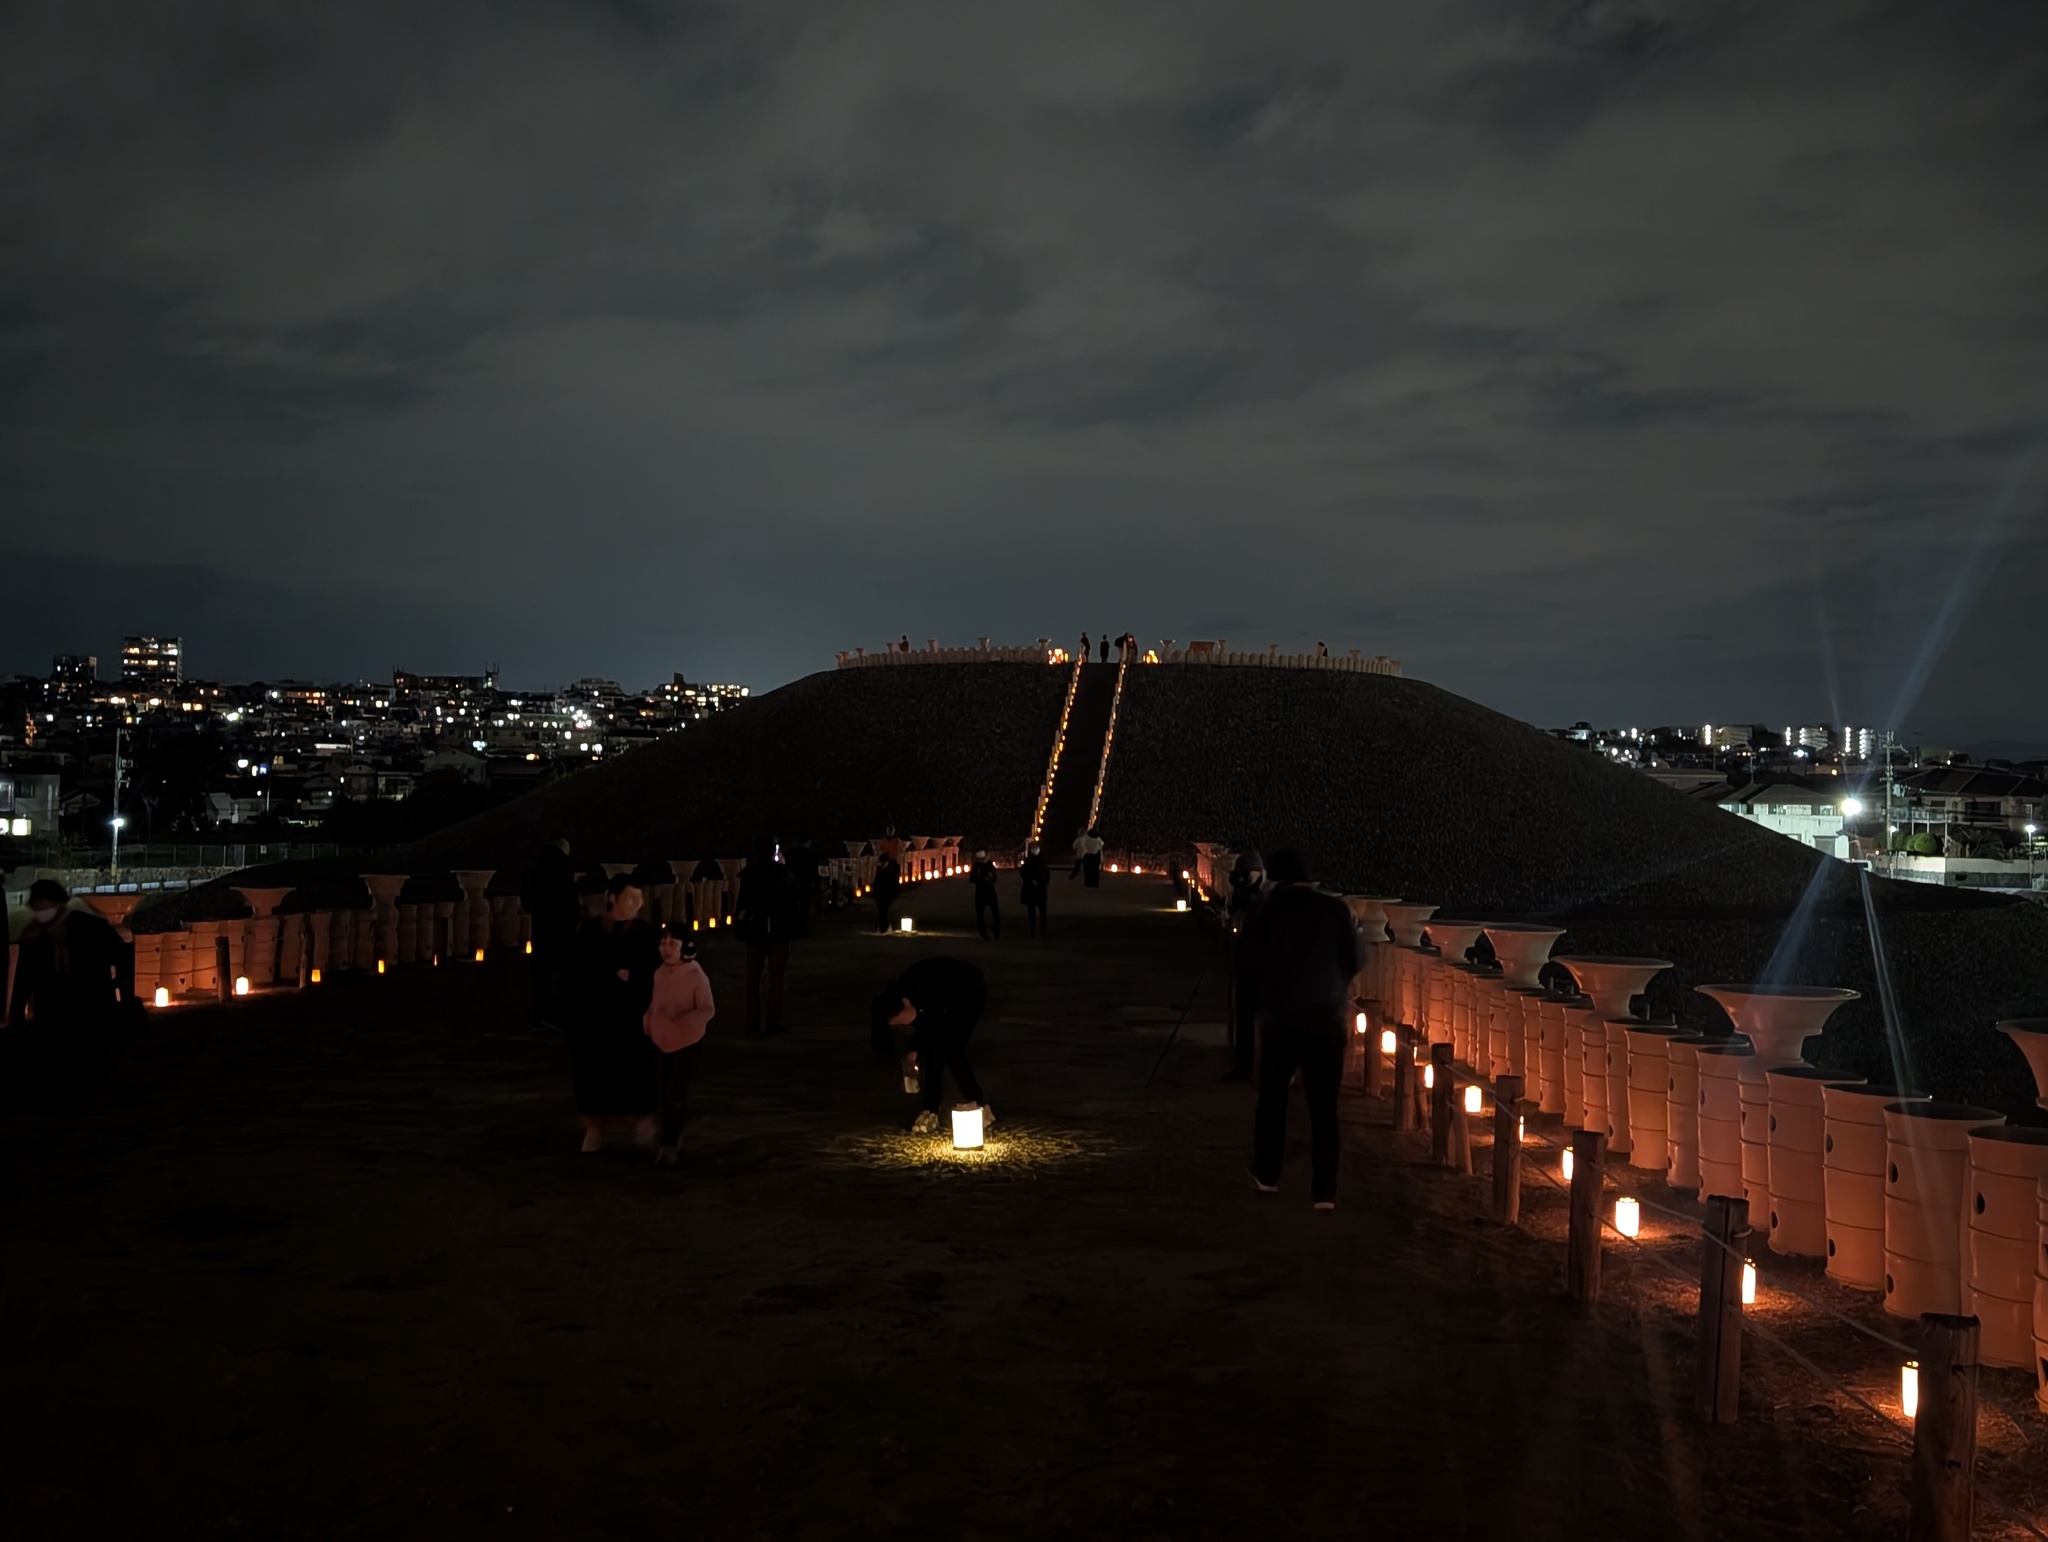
330	1266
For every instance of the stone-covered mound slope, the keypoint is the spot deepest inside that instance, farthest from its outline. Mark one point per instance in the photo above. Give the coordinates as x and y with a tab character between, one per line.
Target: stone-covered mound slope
933	750
1392	786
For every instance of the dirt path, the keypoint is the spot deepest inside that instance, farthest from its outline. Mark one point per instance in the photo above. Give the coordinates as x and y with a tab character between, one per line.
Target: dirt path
331	1266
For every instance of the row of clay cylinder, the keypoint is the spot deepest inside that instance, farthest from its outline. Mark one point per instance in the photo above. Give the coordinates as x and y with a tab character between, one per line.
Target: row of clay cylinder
265	950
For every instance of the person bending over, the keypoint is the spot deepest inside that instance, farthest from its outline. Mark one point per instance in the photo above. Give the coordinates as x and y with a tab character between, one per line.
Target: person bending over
939	1000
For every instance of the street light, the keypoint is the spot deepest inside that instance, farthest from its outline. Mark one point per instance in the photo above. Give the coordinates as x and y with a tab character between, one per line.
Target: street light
2030	829
114	862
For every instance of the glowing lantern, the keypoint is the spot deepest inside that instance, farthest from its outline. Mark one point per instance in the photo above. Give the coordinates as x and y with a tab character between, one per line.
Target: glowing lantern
314	977
1186	876
163	997
694	925
1748	1283
1628	1216
479	955
966	1126
1429	1077
241	985
1521	1130
905	924
1909	1388
1565	1167
1361	1022
1474	1099
1137	870
380	966
712	923
1387	1041
529	941
1180	904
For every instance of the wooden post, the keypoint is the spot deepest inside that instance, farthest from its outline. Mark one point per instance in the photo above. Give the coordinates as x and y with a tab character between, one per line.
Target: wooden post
224	971
1404	1078
1507	1149
305	950
1440	1091
1374	1073
1717	1383
1945	1431
1582	1247
1461	1138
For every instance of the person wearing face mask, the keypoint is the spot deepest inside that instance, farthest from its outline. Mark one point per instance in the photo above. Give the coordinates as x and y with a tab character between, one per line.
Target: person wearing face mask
616	957
66	994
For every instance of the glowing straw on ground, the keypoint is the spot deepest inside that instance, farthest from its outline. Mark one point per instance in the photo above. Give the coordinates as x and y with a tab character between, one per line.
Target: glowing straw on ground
1628	1216
163	997
1748	1283
1909	1388
966	1126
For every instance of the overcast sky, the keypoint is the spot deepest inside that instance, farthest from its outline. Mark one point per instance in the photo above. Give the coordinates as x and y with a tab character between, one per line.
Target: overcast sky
1635	362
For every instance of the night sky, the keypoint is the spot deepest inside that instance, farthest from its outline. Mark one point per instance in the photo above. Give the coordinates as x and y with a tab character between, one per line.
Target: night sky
1636	362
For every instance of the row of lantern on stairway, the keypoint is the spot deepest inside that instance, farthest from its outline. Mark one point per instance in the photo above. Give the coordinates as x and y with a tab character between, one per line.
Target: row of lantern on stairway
1941	1207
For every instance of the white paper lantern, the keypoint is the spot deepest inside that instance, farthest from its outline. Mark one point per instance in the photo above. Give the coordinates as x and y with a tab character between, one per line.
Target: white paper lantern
163	997
1628	1216
1475	1100
905	924
1748	1283
966	1126
1909	1388
241	985
1565	1166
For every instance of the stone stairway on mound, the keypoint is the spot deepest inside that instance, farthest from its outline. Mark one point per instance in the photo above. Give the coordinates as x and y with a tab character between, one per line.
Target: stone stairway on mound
1077	773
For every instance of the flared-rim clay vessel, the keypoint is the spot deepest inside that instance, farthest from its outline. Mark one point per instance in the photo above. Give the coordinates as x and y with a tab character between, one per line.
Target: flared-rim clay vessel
1405	921
1778	1019
1613	982
262	903
1523	948
2031	1035
1453	939
1370	911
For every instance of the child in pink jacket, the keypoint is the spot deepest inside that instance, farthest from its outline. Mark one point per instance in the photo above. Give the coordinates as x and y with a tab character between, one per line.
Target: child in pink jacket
675	1020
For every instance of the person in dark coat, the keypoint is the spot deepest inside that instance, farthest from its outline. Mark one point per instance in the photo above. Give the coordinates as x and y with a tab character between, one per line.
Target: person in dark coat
888	883
940	1000
1247	888
1105	647
1301	953
548	896
802	862
1088	857
770	916
1035	877
613	980
988	912
65	1005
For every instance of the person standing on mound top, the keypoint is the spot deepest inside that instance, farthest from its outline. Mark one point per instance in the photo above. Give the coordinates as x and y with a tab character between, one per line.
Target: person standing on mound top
616	956
988	914
1036	880
66	1003
1300	955
940	1000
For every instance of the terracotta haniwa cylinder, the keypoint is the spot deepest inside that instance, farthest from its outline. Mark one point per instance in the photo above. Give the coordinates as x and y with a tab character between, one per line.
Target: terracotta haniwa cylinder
1503	1019
2031	1035
1619	1125
1756	1134
1853	1156
1798	1213
1720	1068
1593	1083
1682	1110
2007	1167
1550	1021
1649	1092
1574	1013
1525	1027
1927	1170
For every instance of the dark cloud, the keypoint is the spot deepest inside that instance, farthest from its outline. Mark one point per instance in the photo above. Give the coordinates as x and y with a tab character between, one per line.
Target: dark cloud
1632	359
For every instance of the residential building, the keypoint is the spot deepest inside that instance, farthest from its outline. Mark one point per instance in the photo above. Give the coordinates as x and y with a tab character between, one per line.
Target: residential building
152	663
1811	817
